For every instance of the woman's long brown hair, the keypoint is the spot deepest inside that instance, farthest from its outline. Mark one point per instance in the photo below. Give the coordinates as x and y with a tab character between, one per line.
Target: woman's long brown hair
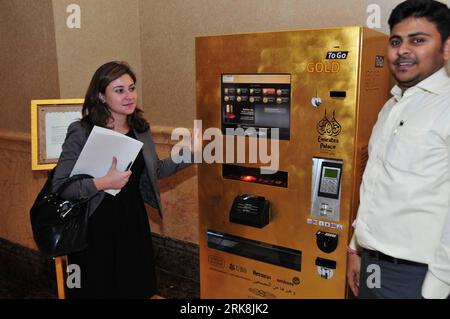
95	112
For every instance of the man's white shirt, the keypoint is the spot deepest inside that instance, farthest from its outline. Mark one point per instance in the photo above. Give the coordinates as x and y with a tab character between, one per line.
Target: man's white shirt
405	193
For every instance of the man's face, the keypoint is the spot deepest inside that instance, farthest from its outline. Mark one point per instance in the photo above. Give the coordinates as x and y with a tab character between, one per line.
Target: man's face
415	51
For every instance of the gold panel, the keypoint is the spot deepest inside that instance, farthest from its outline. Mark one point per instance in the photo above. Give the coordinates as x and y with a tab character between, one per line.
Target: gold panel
303	55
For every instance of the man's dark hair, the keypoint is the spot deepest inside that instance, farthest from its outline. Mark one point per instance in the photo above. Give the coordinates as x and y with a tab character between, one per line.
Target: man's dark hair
434	11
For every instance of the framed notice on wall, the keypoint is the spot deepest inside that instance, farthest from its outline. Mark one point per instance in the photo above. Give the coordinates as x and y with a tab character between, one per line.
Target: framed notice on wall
49	122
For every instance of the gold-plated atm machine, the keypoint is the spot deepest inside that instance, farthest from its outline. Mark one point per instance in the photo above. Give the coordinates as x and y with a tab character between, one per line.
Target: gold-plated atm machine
273	229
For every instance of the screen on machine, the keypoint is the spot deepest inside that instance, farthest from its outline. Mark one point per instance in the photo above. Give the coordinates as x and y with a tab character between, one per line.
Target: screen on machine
256	103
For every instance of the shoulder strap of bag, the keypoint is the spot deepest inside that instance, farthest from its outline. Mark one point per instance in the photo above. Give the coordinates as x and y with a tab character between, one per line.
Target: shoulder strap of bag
70	180
67	206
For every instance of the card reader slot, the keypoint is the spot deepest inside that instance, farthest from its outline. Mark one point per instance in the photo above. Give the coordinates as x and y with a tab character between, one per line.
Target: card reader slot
272	254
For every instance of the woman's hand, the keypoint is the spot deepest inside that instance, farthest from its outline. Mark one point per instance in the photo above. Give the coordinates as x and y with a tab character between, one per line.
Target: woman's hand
113	179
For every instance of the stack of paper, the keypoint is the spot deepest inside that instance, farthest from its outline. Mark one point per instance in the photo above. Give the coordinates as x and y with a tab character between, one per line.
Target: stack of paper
96	157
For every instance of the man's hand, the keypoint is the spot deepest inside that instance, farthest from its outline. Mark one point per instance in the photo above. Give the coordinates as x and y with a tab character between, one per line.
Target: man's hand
353	271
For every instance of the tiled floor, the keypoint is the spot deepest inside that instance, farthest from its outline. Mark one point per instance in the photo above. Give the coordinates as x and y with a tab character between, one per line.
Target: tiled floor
14	288
168	286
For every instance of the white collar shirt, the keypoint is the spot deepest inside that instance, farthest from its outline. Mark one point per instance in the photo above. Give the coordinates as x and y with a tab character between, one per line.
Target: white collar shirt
405	192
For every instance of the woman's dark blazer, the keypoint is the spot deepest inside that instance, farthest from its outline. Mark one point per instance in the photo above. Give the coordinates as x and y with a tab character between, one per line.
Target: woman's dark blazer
154	169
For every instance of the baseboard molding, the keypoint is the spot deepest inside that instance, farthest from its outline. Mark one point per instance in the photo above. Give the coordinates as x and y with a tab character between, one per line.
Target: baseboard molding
26	274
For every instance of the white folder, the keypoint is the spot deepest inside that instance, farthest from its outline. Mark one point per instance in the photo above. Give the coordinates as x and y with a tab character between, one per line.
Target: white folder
96	157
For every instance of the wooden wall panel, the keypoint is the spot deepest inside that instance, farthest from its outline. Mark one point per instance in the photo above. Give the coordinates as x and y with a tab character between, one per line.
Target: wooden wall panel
19	186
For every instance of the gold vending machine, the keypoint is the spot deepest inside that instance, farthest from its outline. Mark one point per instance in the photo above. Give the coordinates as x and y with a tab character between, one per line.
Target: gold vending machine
280	189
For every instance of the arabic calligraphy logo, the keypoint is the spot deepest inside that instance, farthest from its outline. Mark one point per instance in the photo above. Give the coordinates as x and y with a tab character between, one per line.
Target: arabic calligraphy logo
262	293
327	127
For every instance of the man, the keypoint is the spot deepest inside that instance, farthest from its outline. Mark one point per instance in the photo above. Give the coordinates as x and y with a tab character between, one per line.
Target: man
401	244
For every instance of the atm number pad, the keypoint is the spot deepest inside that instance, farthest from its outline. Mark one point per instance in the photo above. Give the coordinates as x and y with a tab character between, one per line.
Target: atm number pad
329	186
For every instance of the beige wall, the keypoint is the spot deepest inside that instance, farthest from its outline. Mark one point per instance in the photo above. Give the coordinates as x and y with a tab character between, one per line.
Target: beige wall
169	28
46	59
109	31
27	58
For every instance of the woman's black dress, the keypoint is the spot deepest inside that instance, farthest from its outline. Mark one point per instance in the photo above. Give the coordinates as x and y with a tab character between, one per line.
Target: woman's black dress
118	262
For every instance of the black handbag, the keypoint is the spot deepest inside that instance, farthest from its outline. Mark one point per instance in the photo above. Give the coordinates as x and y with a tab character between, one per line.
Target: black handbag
59	226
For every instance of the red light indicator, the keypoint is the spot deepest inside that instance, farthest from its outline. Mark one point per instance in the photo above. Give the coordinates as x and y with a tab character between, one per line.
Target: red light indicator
248	178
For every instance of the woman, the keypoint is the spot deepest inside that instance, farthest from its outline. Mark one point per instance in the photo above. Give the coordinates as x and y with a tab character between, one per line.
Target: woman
118	262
